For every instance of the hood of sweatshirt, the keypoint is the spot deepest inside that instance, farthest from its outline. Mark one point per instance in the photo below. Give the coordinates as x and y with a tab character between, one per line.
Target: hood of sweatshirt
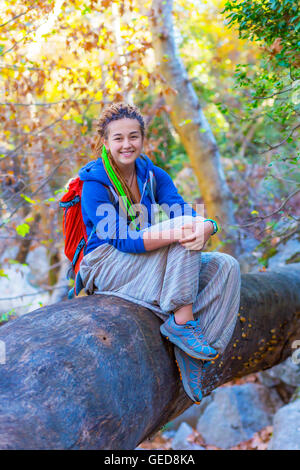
95	171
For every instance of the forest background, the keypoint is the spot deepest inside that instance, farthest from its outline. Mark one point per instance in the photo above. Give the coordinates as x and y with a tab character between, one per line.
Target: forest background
218	84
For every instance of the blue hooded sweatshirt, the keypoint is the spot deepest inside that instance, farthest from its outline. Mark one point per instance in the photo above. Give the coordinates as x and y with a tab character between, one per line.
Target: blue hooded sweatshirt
96	196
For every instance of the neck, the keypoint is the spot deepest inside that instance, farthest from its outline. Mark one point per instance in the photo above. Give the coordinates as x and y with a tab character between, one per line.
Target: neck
128	171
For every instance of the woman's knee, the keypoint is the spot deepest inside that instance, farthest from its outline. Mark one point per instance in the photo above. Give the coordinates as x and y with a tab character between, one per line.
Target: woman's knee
230	263
183	254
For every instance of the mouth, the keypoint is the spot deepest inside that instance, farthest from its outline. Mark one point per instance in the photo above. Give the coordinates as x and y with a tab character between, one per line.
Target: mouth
127	154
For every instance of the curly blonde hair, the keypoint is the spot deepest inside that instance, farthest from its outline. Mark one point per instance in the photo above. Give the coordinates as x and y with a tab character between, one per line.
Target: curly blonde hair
114	112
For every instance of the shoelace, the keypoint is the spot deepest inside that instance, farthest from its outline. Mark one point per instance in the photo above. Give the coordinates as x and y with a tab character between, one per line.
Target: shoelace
195	330
197	378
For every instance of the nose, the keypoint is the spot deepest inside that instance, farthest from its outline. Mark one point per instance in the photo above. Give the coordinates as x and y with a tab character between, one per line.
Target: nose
126	144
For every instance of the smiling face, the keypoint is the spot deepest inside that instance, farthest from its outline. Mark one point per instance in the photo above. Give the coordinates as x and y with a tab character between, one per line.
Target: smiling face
125	141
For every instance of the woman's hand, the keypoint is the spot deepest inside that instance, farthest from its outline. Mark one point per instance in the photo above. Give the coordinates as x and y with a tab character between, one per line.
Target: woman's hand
196	234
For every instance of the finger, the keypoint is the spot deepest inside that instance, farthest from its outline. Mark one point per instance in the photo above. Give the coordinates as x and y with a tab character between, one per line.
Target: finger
188	239
187	225
192	241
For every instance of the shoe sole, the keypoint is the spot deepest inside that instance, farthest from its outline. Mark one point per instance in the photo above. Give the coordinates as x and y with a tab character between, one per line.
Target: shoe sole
188	351
186	389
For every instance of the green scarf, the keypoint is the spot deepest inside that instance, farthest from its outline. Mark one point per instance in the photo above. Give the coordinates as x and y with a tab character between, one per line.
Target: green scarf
118	186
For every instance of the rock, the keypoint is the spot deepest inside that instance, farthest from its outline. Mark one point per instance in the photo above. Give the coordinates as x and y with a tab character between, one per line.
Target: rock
10	253
248	263
13	286
38	263
286	428
287	372
169	434
287	253
23	279
248	257
180	439
267	379
189	416
296	394
236	413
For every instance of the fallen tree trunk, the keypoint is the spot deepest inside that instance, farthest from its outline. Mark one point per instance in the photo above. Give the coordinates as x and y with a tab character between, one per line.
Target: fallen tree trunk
95	373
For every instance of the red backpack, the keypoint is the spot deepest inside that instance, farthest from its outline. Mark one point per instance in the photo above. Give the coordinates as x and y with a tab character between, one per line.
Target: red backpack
74	232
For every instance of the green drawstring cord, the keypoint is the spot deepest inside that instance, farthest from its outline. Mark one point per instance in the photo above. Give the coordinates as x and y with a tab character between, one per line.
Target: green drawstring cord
118	185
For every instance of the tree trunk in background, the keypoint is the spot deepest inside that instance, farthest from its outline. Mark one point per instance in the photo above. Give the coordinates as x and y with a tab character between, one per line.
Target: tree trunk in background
95	372
61	293
24	245
192	127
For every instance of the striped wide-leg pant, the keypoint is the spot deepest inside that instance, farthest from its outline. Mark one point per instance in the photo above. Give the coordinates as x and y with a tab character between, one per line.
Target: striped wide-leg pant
167	278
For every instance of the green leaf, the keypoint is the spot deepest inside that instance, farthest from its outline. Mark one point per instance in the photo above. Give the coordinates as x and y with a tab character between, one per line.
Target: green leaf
2	274
78	119
4	316
87	9
22	229
186	121
27	199
50	199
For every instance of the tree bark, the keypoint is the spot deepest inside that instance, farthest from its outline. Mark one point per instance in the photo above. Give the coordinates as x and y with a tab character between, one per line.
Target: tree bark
192	127
95	373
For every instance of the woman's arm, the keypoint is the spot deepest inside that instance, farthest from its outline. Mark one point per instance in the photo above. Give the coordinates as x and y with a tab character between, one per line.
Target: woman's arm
154	240
169	198
190	235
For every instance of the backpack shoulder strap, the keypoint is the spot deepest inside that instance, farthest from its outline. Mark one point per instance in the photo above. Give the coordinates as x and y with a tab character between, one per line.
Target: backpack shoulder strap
152	178
113	196
153	183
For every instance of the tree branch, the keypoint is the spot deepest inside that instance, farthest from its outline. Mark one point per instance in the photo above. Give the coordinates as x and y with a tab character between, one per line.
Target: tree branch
262	217
44	182
18	16
273	94
45	289
273	147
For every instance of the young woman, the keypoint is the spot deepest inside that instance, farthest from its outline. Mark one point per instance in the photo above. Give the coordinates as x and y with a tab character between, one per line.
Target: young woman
157	265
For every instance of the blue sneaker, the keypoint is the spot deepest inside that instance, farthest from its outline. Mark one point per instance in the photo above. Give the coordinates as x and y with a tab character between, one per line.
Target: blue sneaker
192	372
189	338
